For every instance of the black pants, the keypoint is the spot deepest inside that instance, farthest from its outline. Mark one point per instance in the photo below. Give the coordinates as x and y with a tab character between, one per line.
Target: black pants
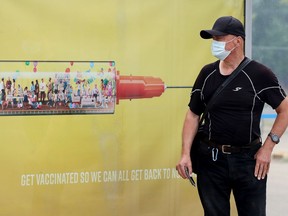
42	96
230	173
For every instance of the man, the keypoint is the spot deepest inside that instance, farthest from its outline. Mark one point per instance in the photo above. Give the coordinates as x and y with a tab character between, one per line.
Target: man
232	157
8	86
49	86
42	90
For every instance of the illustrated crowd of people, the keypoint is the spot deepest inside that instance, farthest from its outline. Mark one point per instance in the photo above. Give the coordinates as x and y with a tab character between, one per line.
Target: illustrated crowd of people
58	92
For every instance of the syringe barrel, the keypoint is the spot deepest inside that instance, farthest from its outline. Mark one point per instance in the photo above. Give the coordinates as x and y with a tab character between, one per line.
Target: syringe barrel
70	87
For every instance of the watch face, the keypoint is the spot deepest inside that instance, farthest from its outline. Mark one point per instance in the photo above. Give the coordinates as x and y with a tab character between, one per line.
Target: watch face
274	138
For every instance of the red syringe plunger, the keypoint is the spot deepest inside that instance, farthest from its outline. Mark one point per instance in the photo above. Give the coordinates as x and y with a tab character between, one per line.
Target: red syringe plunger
134	87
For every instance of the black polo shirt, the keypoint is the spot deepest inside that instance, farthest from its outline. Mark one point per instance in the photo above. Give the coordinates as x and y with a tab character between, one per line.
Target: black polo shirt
235	116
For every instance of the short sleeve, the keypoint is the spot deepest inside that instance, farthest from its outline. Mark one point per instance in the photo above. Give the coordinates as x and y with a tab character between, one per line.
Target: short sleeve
271	91
196	103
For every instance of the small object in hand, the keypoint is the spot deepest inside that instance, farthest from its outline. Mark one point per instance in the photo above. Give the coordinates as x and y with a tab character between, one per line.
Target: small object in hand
189	177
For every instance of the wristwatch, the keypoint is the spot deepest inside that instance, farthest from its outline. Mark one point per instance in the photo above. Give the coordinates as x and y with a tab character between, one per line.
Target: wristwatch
275	138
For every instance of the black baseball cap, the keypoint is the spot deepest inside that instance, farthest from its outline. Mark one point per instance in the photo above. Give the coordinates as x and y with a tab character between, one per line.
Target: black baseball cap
223	26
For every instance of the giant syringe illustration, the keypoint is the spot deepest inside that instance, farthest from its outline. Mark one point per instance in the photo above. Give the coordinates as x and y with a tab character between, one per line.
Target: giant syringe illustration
70	87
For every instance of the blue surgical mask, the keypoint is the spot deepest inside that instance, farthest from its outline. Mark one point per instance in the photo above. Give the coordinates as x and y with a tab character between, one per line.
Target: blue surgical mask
218	49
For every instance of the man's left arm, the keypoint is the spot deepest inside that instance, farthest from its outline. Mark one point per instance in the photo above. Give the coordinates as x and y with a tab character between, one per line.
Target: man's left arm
263	156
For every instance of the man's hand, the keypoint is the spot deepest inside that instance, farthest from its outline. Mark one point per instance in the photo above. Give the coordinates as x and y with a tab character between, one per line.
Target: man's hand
185	161
263	159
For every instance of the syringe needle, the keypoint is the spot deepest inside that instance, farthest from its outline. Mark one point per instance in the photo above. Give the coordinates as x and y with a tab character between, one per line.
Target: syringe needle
178	87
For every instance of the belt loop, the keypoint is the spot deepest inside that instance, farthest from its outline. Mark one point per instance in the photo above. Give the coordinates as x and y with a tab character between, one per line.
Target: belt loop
214	155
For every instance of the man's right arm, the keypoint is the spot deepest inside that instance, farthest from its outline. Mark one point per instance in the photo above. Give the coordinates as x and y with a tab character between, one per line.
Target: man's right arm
189	131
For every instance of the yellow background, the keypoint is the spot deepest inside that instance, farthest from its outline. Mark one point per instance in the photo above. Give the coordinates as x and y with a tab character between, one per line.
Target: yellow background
144	37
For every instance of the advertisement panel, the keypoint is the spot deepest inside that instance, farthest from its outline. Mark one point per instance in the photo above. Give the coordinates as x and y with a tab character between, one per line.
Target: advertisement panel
122	163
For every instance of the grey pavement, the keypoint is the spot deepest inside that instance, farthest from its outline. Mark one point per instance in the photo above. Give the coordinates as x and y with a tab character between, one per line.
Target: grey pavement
277	188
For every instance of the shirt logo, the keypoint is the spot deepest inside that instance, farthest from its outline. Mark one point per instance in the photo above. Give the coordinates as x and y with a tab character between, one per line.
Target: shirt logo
237	89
